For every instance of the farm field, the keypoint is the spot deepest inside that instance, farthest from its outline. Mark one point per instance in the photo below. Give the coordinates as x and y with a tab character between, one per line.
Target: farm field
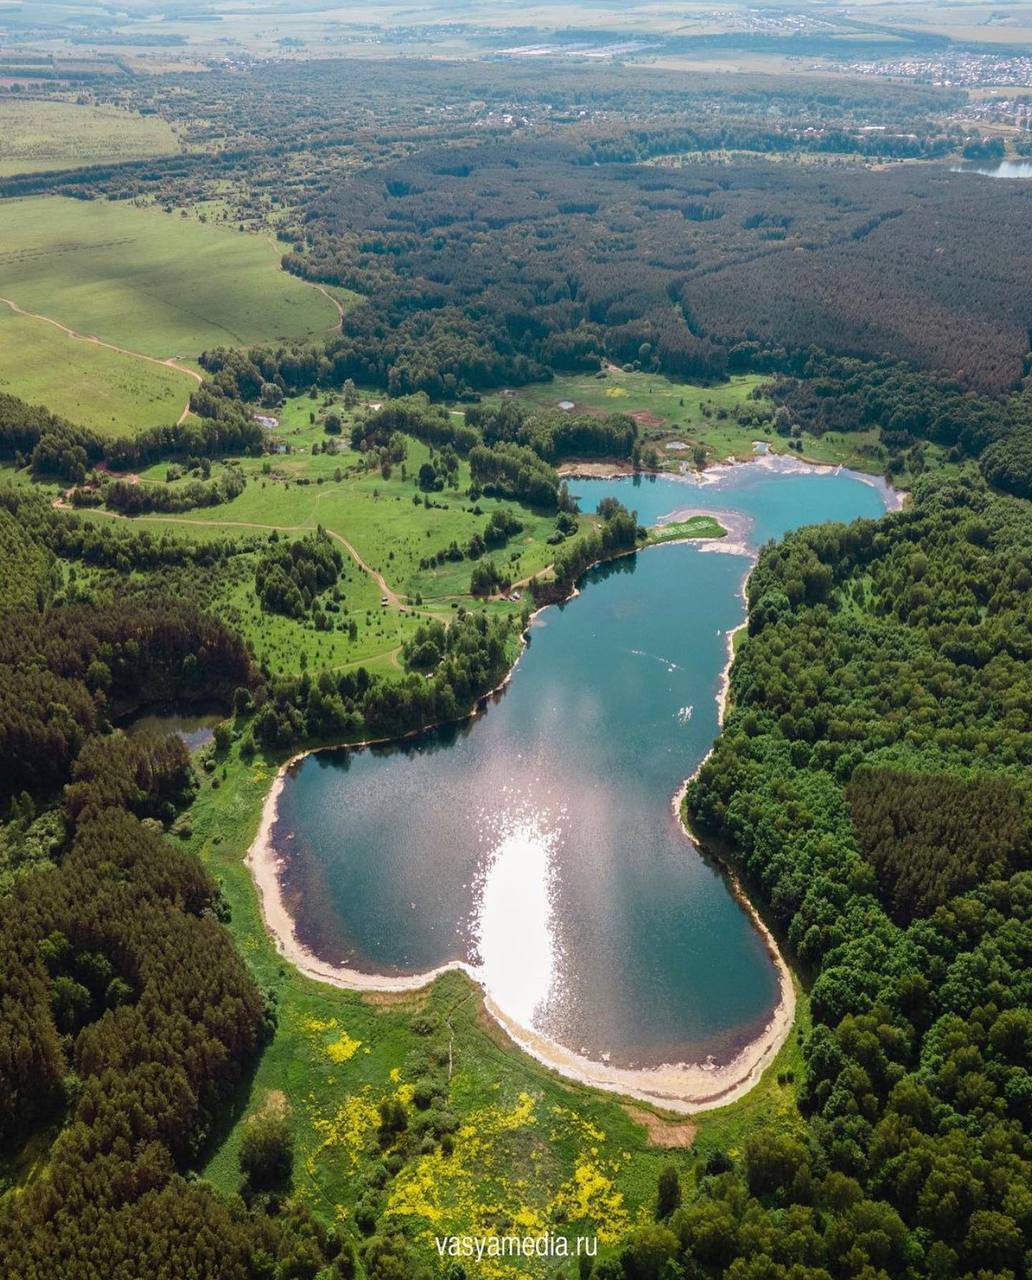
86	383
40	136
152	282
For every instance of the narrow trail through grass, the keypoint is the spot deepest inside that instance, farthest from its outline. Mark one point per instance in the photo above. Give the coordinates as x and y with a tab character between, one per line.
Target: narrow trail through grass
170	363
393	598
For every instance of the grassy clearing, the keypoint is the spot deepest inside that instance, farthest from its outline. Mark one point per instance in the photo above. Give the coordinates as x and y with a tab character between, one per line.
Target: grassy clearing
381	518
391	525
666	411
114	394
296	492
37	136
676	413
531	1152
152	282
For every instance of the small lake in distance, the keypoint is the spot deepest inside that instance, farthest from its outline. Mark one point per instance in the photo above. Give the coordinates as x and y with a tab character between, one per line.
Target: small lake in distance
537	842
998	169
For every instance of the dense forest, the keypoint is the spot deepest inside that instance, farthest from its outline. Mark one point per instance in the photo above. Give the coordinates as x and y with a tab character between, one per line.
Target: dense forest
490	263
128	1017
872	784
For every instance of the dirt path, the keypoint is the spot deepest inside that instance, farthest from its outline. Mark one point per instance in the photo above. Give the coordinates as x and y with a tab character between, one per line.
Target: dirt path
326	294
170	363
392	596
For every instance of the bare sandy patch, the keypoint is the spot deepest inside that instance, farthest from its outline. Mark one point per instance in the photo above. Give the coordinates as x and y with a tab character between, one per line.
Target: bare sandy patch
662	1131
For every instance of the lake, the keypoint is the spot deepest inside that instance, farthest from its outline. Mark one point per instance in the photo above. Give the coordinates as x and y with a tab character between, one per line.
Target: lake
194	723
537	842
999	169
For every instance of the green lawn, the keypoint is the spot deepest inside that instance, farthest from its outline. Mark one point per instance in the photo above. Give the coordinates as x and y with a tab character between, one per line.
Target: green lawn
37	136
152	282
114	394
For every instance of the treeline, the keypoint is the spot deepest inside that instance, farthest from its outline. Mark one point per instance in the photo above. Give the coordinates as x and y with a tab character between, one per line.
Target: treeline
128	1018
513	471
555	435
826	393
639	141
108	545
52	447
133	499
871	782
617	532
469	660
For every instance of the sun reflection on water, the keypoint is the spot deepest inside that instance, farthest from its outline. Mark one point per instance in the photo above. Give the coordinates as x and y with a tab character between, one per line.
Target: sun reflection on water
514	931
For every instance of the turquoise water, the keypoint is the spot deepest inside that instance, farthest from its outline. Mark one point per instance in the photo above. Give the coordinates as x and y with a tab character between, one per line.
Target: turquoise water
538	842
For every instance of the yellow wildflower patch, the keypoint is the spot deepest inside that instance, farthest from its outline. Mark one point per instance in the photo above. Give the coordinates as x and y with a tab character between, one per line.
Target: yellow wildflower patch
316	1026
590	1194
351	1125
343	1049
340	1050
571	1120
473	1191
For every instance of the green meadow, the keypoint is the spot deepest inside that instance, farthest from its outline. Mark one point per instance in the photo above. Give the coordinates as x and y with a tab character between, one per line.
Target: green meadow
113	393
39	136
156	283
689	414
389	522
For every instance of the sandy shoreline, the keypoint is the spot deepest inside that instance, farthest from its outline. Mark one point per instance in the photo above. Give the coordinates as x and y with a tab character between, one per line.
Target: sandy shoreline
678	1087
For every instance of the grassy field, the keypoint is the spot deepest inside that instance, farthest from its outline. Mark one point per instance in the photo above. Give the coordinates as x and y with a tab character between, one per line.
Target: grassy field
37	136
385	521
390	533
152	282
531	1151
678	413
380	518
666	411
113	393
